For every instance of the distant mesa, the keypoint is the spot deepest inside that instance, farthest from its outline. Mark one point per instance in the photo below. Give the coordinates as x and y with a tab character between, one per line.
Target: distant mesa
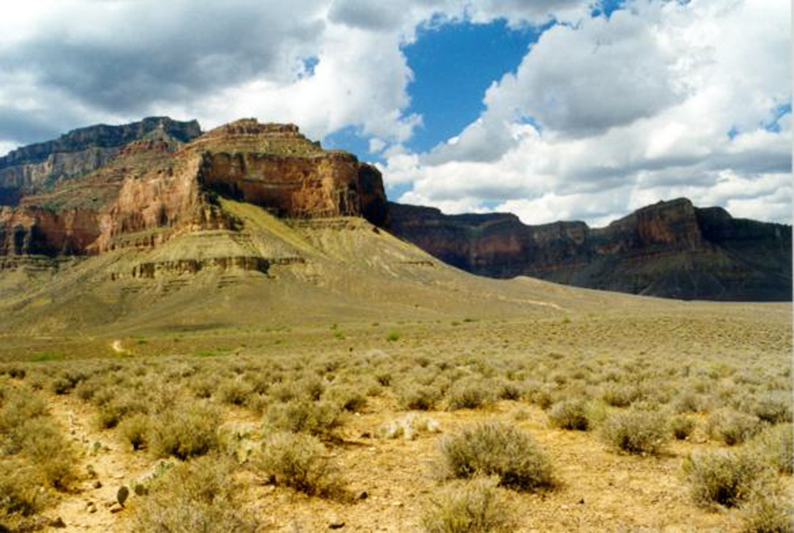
669	249
105	188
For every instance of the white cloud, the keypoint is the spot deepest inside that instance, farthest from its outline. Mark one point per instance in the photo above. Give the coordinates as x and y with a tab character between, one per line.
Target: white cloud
602	116
631	110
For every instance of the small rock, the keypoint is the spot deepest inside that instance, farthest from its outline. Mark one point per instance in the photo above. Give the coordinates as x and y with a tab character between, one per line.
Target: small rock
122	495
97	484
58	523
116	508
336	523
366	435
362	495
581	502
92	508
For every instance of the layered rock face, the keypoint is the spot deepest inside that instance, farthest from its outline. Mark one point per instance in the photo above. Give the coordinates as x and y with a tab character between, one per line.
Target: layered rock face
671	249
29	169
158	185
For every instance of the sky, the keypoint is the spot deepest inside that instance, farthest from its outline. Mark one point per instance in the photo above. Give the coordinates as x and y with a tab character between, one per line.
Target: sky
550	109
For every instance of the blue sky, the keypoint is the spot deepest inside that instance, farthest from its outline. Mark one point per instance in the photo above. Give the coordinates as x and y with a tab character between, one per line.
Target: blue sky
551	109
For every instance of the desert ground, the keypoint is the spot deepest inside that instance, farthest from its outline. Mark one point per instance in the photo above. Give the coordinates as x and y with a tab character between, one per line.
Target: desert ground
606	413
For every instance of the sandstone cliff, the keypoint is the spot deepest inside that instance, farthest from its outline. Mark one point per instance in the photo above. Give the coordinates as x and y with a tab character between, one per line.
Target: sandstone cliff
158	186
670	249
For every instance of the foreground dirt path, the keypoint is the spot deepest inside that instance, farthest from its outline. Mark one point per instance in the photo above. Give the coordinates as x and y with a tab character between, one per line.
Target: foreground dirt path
90	506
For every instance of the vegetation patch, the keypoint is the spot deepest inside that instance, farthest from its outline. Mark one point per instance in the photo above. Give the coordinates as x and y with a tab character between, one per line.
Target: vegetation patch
475	506
497	449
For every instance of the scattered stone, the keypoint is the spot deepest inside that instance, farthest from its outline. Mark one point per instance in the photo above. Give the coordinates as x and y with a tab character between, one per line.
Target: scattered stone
97	484
58	523
366	435
122	495
116	508
581	502
336	523
362	495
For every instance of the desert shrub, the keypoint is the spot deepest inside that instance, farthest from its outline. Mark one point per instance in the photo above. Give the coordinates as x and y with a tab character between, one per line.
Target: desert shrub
732	427
41	441
497	449
635	432
185	431
203	386
234	392
768	514
134	429
316	418
724	478
774	408
418	397
618	395
300	462
774	445
199	495
113	411
20	491
569	414
19	406
475	506
347	397
690	402
682	426
470	393
509	390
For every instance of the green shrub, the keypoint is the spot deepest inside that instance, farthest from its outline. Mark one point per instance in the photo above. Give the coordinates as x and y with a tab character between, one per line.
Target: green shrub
732	427
682	426
470	393
134	429
768	514
724	478
475	506
393	336
316	418
774	445
199	495
300	462
569	414
635	432
185	431
497	449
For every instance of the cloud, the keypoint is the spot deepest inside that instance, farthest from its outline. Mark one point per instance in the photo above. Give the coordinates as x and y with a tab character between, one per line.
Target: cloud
602	115
607	115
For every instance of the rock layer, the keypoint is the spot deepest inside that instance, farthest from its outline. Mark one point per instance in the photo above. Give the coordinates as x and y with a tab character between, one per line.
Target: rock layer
670	249
157	186
32	168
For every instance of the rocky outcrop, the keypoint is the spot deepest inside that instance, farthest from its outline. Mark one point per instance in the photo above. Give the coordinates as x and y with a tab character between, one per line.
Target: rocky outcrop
32	168
158	186
670	249
275	167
